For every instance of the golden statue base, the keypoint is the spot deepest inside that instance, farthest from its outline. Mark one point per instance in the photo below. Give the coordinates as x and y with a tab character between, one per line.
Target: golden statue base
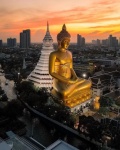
75	100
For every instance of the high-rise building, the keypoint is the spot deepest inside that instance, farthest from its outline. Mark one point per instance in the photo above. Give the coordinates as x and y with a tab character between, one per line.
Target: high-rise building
83	41
80	41
112	41
94	42
27	32
1	44
98	42
11	42
22	40
105	42
25	39
40	75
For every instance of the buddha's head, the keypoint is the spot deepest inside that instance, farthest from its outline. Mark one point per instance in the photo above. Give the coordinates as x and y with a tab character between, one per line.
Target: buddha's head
63	38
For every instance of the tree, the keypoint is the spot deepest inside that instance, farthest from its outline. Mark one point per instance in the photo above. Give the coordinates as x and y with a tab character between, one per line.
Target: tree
25	86
33	99
117	102
13	109
43	95
4	98
106	101
103	110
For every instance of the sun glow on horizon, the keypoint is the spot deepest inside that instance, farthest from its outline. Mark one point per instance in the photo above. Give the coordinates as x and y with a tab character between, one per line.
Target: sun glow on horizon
92	18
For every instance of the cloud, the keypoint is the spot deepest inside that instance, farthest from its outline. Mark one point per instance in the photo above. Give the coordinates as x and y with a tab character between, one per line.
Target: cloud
108	32
107	26
93	18
98	12
105	2
95	32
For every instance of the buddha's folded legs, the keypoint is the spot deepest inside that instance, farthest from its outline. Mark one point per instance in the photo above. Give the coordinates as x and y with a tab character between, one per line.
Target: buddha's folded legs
67	90
82	86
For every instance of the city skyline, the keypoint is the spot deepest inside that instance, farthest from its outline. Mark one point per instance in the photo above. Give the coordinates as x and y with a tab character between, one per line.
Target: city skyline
94	19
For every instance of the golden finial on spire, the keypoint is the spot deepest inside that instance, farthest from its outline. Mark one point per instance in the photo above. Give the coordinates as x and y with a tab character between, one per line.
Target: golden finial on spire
47	26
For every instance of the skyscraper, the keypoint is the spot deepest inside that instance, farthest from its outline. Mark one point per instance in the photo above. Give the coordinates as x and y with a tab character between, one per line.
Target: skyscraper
40	75
98	42
94	42
104	42
22	40
80	41
112	41
1	44
11	42
25	39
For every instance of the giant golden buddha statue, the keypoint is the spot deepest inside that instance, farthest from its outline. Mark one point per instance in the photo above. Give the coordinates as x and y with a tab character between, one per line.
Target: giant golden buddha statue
66	85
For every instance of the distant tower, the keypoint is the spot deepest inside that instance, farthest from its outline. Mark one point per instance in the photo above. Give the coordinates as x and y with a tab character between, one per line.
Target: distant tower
25	39
104	42
40	75
110	41
83	41
22	40
80	41
24	64
11	42
98	42
1	44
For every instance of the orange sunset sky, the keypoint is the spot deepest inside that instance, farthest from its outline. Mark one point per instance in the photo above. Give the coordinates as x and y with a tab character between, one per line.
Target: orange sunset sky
91	18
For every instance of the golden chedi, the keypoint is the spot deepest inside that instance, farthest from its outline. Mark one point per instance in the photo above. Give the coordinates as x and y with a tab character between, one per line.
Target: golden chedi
66	85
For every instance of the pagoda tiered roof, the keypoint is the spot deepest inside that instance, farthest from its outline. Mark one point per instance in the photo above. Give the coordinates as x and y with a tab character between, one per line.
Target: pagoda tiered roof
40	75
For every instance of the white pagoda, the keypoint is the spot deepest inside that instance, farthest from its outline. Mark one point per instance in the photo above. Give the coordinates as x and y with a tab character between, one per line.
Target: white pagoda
40	75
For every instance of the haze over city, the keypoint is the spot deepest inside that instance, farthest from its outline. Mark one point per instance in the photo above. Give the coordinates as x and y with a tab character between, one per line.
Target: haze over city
91	18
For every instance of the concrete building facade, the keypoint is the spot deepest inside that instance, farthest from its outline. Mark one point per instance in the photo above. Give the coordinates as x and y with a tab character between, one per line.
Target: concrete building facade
25	39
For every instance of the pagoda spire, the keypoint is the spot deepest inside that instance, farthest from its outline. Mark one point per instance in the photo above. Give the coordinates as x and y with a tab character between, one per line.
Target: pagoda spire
47	26
47	35
40	75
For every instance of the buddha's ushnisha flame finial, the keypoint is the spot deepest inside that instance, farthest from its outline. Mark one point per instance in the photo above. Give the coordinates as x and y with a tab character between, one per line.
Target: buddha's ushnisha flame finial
63	34
64	27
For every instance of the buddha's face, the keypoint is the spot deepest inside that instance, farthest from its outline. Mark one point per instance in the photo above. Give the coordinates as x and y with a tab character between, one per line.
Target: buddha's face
65	44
